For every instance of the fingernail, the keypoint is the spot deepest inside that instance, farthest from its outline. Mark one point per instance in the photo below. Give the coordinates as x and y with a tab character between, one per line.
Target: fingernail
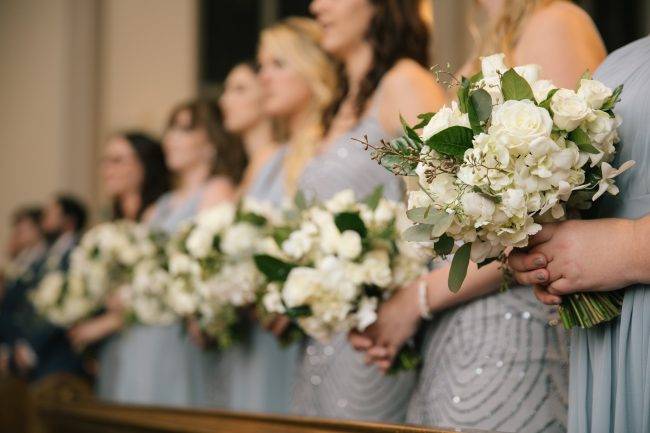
557	301
540	276
539	262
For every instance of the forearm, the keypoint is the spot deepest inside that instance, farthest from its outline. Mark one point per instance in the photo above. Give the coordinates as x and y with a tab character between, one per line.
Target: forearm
640	250
479	282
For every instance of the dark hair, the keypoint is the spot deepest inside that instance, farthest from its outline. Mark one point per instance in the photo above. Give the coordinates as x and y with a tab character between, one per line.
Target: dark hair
156	179
397	31
32	213
230	157
73	209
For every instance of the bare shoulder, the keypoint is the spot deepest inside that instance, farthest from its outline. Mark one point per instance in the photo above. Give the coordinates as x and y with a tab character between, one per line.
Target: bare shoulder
559	18
407	74
218	189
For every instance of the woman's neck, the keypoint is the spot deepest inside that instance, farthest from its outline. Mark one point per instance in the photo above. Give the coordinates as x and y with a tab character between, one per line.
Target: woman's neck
493	8
192	178
299	120
258	141
357	62
130	204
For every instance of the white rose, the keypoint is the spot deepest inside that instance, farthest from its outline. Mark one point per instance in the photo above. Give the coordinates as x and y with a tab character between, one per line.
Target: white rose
239	239
272	300
217	218
376	268
445	118
529	72
516	123
199	242
493	65
492	85
349	245
298	244
180	299
594	93
341	201
477	207
384	213
301	283
443	189
569	109
183	264
541	89
366	313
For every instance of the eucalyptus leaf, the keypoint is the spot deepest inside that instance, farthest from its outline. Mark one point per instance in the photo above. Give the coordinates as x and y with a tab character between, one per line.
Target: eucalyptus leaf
273	269
372	201
444	245
441	224
300	201
582	140
452	141
515	87
398	165
350	221
458	269
611	102
418	233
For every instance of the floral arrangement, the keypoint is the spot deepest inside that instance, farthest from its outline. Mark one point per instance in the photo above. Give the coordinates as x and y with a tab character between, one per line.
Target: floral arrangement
330	271
512	152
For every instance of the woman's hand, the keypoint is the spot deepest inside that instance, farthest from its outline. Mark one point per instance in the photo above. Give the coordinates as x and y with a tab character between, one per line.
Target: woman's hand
196	334
590	255
397	321
86	333
277	325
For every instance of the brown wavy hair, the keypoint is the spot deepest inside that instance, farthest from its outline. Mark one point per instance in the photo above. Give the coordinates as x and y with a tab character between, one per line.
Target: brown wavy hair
230	157
398	30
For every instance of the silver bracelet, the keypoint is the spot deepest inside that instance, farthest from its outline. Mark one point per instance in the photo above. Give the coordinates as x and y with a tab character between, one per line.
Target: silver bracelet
425	311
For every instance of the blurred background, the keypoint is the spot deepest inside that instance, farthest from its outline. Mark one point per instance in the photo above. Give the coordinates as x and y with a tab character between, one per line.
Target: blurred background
73	71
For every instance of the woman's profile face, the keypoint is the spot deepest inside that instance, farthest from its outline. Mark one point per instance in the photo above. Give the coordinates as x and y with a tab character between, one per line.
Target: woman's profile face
242	99
185	146
345	23
285	90
122	171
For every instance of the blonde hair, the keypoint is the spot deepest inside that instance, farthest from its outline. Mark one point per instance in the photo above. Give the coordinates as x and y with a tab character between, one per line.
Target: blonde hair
504	33
297	40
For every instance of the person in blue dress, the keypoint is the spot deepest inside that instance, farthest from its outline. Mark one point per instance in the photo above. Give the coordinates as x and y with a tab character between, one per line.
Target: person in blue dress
609	389
263	372
134	177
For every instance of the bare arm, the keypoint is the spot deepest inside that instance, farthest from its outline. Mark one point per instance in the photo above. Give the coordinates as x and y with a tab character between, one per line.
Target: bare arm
408	89
218	190
564	41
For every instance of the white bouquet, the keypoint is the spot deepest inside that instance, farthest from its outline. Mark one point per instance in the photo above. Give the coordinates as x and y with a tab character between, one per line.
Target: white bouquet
514	151
331	272
102	262
212	268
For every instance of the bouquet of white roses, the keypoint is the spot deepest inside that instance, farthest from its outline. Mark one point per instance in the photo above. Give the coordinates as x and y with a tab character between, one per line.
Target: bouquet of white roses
514	151
345	257
102	262
212	268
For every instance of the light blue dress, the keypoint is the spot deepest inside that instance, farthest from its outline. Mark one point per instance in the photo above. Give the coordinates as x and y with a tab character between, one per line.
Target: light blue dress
159	365
264	371
332	379
610	364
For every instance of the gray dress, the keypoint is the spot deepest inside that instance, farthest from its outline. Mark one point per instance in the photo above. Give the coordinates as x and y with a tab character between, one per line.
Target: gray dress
610	364
159	364
264	371
332	379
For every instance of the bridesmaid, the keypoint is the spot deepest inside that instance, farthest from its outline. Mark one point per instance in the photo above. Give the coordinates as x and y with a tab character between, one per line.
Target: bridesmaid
610	364
158	364
491	359
134	176
383	47
263	373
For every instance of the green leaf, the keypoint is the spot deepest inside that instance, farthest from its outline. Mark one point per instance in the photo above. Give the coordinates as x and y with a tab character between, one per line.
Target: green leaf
272	268
438	220
611	102
515	87
463	95
458	270
299	311
453	141
582	140
350	221
372	201
546	103
424	120
475	78
482	102
252	218
281	234
300	201
409	132
487	262
444	245
418	233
